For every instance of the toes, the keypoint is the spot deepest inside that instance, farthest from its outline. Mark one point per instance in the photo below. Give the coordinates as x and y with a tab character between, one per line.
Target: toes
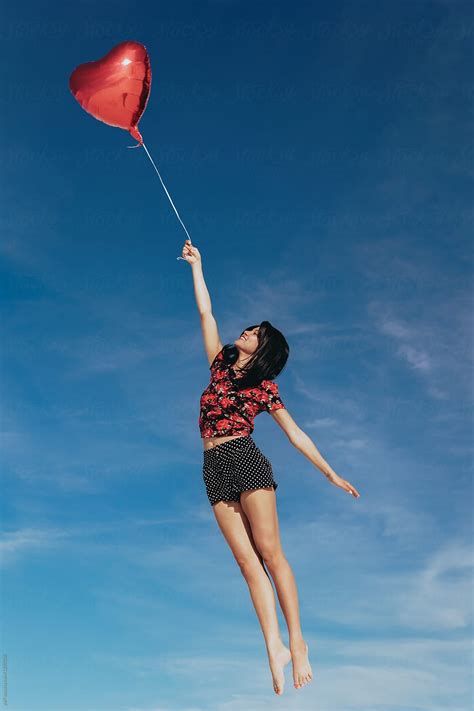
300	681
278	687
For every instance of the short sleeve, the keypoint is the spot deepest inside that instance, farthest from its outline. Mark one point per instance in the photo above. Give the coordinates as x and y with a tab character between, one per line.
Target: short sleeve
217	360
271	399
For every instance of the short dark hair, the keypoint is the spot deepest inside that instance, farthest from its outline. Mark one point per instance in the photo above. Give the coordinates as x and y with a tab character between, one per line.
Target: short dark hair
268	359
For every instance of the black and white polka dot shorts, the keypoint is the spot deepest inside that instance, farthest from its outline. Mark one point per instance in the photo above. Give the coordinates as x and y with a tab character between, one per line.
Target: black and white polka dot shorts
235	466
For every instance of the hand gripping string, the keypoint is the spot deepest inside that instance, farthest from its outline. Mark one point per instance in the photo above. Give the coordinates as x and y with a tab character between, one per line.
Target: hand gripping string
164	186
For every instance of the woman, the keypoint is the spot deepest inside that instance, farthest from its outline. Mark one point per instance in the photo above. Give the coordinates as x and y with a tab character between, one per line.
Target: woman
239	478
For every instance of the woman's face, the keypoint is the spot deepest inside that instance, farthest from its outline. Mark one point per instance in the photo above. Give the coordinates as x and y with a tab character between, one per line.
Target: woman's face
248	342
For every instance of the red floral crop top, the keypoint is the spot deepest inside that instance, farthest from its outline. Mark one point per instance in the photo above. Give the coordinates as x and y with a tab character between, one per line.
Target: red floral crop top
225	410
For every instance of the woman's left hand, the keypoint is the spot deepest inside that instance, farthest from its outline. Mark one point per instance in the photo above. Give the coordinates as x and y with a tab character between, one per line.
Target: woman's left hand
343	484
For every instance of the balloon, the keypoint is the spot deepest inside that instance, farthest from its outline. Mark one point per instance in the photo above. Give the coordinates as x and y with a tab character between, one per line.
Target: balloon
115	89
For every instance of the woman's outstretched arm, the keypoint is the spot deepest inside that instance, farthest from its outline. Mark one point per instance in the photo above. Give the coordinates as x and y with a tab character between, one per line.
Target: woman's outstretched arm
192	255
306	446
212	341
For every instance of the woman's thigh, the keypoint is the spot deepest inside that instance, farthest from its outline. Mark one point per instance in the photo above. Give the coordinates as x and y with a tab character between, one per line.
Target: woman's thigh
236	529
260	508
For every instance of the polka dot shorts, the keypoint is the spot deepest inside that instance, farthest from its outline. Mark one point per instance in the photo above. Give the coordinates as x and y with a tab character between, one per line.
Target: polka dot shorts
235	466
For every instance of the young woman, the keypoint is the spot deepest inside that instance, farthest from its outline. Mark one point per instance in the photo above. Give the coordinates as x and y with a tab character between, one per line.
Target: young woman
239	478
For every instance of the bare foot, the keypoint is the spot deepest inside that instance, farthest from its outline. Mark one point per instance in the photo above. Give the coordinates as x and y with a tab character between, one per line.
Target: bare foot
278	657
302	672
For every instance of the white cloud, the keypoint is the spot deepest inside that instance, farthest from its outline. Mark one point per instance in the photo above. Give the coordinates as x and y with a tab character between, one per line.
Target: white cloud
25	541
417	359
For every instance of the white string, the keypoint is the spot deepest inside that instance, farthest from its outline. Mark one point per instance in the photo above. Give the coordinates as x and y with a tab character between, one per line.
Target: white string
169	196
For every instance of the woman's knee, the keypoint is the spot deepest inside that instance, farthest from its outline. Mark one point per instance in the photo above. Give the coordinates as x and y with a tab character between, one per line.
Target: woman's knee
250	565
271	551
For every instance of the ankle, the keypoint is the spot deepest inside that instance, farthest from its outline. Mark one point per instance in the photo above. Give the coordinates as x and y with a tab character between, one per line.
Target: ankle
275	642
297	642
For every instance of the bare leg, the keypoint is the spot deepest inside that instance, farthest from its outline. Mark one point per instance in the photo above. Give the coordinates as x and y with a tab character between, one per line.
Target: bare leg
236	530
260	507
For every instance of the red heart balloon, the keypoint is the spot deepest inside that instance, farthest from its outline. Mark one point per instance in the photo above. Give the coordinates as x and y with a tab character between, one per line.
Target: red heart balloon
115	89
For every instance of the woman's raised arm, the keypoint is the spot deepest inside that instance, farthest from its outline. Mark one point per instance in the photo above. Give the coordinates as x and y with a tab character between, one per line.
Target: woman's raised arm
212	341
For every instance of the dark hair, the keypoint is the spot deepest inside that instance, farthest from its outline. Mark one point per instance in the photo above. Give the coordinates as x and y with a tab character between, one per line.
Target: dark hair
268	359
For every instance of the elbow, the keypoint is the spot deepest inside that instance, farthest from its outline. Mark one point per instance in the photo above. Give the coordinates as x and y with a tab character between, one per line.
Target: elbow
296	437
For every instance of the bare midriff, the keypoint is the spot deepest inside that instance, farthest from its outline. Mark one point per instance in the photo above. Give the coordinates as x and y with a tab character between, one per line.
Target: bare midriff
210	442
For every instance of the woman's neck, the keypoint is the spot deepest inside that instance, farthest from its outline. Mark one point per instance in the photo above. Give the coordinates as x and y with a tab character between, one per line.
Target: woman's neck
237	366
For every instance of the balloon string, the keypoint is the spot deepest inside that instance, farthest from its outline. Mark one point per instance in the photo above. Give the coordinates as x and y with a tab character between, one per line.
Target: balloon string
169	196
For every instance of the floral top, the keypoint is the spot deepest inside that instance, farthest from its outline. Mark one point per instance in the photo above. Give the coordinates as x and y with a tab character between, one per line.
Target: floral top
226	411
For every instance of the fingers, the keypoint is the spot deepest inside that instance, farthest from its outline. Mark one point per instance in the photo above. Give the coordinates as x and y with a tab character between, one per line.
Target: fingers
352	490
343	484
187	249
190	253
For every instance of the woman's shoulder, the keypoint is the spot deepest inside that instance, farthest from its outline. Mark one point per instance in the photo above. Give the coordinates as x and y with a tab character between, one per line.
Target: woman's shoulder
218	360
270	395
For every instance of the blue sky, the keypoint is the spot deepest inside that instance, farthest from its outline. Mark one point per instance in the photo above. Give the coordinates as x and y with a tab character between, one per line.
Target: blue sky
321	159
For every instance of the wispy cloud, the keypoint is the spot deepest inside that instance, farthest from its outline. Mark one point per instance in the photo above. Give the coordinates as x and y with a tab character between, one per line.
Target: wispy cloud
25	541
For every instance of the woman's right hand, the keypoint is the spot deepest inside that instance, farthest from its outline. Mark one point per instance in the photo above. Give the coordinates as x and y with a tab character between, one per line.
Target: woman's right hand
190	253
